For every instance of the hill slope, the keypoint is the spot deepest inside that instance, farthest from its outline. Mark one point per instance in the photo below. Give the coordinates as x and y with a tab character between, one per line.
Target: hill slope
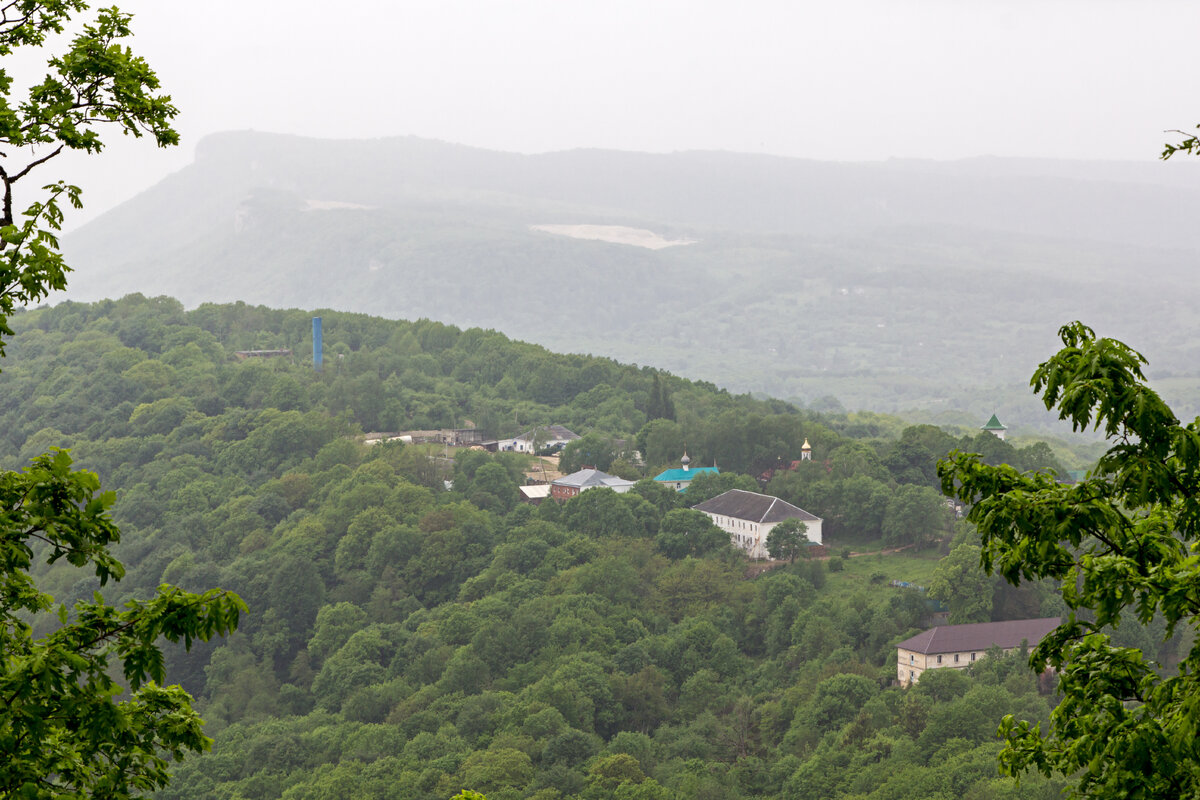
408	641
890	285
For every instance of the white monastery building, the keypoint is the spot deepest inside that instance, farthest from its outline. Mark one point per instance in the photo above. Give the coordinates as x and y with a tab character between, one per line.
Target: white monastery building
748	518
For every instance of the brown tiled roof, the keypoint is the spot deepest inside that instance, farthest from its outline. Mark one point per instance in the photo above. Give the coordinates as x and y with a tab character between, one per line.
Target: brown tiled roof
753	507
980	635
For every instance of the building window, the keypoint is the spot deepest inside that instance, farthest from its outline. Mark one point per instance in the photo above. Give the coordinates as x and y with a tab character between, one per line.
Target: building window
972	656
939	659
956	658
911	675
911	658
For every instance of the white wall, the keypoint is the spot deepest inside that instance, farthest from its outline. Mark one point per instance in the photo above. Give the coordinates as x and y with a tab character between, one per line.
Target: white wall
752	537
748	536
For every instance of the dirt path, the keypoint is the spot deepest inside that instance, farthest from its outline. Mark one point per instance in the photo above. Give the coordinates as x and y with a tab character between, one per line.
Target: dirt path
886	552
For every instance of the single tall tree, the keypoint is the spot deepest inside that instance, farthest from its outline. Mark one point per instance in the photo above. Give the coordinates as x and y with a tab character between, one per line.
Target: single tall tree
787	540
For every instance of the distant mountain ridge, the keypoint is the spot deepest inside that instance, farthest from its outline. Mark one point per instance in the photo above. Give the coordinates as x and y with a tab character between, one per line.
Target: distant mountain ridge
766	194
891	285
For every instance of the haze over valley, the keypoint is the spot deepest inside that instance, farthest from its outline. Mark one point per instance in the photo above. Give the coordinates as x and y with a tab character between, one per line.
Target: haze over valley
925	287
623	401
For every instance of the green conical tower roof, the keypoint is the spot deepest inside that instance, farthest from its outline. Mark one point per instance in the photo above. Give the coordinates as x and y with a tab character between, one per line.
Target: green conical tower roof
993	424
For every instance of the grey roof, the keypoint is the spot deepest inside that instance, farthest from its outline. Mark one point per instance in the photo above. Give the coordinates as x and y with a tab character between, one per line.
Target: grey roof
754	507
589	478
980	635
557	433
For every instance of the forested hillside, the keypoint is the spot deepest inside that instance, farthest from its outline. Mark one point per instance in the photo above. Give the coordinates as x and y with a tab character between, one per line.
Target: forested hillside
406	640
890	286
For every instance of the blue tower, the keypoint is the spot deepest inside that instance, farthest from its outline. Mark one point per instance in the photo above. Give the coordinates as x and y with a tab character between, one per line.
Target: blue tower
317	344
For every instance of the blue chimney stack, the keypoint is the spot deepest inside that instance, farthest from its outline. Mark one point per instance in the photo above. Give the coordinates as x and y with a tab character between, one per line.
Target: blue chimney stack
317	344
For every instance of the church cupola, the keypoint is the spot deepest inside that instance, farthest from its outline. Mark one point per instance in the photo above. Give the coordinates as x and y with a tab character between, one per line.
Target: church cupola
994	427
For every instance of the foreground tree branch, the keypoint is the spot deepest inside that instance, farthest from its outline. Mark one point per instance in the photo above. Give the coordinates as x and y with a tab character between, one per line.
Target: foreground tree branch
82	709
96	83
63	730
1124	542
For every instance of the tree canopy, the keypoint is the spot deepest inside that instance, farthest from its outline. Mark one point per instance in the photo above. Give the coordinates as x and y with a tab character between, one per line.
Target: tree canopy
962	585
687	532
787	539
96	81
405	631
63	730
1123	544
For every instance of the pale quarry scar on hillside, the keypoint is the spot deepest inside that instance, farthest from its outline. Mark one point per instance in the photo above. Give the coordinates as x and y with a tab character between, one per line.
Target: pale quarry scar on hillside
616	234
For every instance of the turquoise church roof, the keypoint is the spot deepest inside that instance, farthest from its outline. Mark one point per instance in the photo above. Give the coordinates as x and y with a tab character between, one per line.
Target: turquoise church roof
680	474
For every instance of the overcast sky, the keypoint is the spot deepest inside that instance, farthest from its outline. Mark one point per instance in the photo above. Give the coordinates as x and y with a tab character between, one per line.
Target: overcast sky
841	80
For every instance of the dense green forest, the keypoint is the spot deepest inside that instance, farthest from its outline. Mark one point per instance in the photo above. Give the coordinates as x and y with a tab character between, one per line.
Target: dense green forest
408	640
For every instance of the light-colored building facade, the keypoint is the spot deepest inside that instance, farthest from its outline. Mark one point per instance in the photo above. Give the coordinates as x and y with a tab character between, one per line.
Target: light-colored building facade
959	646
541	438
455	437
748	518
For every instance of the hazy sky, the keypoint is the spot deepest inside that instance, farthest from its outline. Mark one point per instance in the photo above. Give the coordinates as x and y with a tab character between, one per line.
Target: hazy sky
828	80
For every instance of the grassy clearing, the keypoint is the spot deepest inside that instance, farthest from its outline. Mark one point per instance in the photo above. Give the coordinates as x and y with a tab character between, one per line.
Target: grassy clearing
906	566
